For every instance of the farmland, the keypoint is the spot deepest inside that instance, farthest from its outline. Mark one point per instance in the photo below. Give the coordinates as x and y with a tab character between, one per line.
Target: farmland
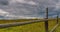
17	20
34	27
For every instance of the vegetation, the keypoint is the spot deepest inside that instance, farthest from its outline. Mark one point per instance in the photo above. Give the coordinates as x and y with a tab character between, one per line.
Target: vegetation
16	20
34	27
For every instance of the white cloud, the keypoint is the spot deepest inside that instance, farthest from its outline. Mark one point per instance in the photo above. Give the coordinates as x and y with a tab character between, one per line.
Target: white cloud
58	5
32	3
23	1
2	12
6	14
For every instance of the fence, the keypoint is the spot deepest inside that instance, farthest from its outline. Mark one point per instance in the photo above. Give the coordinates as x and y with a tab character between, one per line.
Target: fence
33	21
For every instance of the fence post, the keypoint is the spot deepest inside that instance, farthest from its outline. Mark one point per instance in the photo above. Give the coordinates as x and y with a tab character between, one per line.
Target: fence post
46	22
57	17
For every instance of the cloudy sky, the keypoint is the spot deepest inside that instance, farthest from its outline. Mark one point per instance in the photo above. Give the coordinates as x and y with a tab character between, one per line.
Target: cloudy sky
28	8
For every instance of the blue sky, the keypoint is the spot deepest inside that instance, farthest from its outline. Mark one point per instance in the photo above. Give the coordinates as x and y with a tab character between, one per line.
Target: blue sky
28	8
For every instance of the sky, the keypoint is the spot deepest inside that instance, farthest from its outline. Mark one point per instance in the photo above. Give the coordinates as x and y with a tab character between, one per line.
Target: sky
28	8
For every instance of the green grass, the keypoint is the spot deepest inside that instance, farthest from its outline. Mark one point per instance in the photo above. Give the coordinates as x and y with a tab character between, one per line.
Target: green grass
58	28
34	27
17	20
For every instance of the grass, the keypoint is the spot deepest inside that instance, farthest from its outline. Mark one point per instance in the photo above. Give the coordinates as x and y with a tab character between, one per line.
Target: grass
58	28
17	20
34	27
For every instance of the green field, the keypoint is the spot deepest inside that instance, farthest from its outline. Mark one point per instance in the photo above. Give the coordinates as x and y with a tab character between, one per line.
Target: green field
34	27
17	20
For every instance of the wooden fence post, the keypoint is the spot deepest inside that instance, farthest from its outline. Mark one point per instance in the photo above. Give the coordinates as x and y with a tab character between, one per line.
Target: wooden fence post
46	22
57	17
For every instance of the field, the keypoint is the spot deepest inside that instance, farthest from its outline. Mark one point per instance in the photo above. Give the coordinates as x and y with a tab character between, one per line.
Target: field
34	27
17	20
